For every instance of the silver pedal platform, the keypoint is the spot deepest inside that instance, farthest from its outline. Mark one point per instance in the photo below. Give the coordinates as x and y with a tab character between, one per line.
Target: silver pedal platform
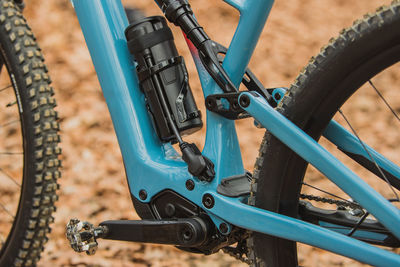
83	236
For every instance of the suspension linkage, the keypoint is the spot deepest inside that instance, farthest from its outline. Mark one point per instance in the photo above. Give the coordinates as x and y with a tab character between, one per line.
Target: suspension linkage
227	104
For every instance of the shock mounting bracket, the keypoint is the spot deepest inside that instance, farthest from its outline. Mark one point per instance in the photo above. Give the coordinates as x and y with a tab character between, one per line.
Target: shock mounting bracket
227	104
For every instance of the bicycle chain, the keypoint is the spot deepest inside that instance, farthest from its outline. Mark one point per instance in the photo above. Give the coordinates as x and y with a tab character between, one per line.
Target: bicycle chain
239	252
339	203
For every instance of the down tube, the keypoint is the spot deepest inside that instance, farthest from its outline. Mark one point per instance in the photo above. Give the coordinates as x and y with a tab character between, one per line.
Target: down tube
103	23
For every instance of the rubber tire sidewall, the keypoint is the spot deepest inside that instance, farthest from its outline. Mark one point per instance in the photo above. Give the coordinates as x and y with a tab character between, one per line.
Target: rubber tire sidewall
16	236
310	104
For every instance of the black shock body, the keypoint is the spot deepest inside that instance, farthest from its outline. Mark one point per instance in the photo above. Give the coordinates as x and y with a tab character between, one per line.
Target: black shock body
163	78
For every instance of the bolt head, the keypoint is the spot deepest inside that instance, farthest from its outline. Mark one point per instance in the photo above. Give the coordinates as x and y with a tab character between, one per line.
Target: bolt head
208	201
244	101
142	194
277	96
187	234
210	103
223	227
189	184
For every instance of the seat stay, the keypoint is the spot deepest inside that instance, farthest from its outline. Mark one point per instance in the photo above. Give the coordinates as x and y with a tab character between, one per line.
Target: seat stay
350	144
326	163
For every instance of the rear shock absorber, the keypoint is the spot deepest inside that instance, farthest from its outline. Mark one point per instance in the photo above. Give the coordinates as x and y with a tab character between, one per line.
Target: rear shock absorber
163	77
181	14
164	80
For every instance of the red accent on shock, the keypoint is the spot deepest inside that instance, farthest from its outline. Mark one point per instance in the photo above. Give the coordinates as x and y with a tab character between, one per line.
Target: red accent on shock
191	46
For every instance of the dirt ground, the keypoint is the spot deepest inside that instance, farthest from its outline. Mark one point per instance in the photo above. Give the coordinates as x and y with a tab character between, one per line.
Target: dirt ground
93	186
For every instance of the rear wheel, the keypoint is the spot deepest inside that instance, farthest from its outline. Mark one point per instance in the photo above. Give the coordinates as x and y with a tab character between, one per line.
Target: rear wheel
348	63
29	164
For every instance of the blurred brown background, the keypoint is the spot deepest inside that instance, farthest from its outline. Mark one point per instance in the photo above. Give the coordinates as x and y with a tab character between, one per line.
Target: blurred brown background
93	186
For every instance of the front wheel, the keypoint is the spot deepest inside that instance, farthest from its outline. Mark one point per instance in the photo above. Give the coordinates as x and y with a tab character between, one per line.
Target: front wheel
29	164
359	69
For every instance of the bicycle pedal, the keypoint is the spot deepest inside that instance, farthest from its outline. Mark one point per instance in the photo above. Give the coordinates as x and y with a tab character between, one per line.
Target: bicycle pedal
83	236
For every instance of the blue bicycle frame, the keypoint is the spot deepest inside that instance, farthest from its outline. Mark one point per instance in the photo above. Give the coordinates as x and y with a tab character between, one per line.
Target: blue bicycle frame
154	167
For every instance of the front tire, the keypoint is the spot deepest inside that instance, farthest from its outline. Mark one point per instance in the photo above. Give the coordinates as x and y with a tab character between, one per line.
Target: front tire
34	106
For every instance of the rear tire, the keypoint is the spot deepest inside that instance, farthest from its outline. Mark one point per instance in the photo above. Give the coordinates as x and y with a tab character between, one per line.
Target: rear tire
360	52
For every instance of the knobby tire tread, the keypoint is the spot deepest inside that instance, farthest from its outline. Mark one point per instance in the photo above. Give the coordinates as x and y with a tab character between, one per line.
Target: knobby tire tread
24	60
268	188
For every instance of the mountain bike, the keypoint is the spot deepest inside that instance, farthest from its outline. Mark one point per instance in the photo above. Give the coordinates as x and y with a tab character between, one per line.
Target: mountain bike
205	201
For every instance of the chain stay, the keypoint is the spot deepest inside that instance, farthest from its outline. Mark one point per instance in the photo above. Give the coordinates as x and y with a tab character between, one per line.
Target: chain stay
240	251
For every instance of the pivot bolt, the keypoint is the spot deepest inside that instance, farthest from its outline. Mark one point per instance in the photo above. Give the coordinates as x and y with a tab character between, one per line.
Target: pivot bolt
223	227
244	101
189	184
208	201
210	103
142	194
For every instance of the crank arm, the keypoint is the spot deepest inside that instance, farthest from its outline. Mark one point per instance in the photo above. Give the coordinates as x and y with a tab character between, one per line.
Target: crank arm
190	232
